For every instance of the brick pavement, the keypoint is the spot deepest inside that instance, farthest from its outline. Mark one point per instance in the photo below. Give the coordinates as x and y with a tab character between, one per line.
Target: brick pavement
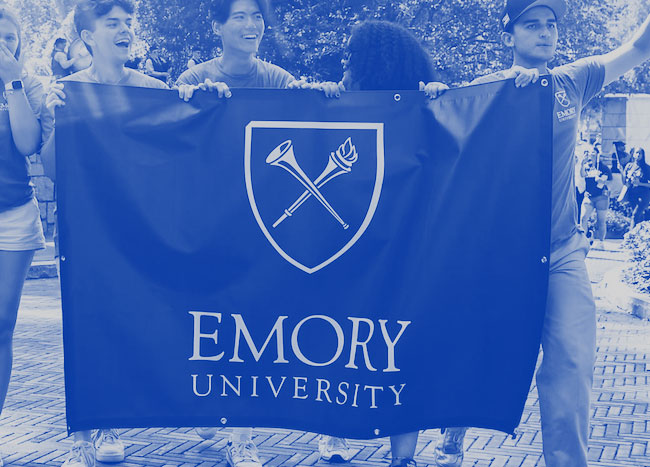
33	430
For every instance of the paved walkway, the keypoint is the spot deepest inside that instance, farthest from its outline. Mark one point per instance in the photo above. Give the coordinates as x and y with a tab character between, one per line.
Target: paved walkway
32	426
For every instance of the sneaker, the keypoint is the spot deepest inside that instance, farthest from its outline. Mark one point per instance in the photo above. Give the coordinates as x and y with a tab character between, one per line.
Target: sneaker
334	449
598	245
82	454
108	447
449	450
242	455
403	462
206	432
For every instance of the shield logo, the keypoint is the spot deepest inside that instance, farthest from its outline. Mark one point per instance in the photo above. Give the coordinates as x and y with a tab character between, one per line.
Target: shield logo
562	98
313	187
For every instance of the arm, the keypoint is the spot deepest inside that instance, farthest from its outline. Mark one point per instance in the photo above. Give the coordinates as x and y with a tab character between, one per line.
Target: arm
148	67
55	98
24	124
629	55
65	63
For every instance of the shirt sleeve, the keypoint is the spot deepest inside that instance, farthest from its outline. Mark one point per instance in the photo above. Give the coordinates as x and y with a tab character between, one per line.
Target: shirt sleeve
35	94
492	77
587	76
280	78
189	77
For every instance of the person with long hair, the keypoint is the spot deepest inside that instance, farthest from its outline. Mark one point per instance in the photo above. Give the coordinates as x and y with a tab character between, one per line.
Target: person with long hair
385	56
637	177
21	232
381	55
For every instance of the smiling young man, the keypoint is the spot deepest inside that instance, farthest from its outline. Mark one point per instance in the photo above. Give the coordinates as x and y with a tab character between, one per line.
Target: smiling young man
240	25
565	376
105	26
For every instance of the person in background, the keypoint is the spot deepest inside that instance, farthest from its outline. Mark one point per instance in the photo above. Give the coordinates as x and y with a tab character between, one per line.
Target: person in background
61	65
620	158
596	174
157	65
637	178
195	58
21	232
106	28
78	51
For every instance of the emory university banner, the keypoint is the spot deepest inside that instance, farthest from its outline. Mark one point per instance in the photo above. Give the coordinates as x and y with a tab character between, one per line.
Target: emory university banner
362	266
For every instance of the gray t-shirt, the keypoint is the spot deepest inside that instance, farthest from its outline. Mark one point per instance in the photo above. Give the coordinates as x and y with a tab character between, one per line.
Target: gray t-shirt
262	75
574	85
132	78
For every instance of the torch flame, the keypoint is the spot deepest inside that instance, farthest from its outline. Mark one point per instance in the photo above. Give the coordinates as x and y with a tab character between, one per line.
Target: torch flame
348	151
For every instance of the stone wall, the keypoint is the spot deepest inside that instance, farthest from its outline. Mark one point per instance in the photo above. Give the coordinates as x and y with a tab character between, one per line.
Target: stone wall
44	193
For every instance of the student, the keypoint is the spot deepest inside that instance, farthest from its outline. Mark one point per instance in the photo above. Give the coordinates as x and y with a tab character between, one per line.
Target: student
21	232
195	58
382	55
61	65
105	26
565	376
596	174
240	25
157	65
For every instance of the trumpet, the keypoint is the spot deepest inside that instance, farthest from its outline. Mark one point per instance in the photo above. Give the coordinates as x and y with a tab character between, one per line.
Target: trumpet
339	163
283	156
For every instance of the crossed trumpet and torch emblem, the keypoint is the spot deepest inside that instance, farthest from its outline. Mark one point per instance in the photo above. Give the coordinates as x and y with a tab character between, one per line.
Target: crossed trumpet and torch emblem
339	163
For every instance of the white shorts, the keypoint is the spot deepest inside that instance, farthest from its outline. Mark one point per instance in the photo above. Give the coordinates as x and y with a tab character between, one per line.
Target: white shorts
21	228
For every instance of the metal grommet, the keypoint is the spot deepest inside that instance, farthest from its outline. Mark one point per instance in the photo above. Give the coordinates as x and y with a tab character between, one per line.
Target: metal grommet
544	82
62	258
377	429
224	420
544	260
397	97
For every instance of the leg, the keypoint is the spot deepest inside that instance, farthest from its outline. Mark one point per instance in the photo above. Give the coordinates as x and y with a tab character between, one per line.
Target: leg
587	210
601	224
13	270
565	376
403	447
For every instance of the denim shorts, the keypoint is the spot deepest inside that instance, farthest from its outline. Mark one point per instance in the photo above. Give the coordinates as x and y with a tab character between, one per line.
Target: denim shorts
21	228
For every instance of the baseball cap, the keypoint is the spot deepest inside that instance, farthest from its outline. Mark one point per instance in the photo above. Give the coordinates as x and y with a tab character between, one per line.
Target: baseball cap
515	8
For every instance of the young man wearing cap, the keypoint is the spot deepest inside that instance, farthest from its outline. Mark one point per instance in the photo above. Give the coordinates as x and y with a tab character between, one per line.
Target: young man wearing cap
565	376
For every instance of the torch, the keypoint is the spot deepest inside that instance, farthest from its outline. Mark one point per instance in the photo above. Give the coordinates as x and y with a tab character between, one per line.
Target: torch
340	162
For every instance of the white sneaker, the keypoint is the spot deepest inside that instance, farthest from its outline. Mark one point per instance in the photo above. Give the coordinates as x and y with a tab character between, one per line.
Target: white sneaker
206	432
334	449
108	447
82	454
242	455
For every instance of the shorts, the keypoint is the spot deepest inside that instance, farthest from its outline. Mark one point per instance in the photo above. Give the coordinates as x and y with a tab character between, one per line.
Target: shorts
601	202
21	228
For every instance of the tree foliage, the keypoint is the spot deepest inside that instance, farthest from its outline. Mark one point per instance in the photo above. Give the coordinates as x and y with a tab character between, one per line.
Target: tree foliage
307	37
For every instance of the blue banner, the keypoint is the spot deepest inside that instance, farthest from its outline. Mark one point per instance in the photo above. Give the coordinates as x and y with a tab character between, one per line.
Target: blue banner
362	266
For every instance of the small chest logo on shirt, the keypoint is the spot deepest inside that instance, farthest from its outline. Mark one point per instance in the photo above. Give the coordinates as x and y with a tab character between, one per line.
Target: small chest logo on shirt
562	98
567	113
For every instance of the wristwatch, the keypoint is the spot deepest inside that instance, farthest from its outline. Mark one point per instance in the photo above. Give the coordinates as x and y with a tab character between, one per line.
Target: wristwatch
13	86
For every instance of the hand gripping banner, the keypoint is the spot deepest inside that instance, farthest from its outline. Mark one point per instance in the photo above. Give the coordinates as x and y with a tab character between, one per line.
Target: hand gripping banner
362	266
